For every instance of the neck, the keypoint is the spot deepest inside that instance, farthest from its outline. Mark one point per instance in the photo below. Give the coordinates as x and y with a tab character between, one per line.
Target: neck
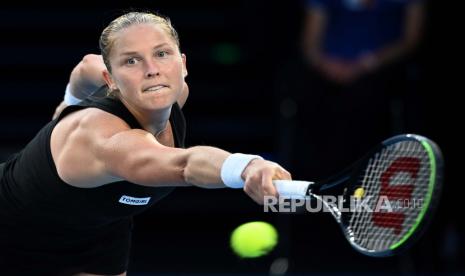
154	122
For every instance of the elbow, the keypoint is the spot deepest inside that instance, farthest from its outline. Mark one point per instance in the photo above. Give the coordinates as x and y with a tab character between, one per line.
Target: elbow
187	173
90	59
144	171
86	76
90	65
84	66
192	170
202	170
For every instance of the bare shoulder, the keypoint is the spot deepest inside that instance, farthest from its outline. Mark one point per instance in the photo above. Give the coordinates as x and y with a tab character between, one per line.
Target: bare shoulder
92	148
76	139
94	120
85	128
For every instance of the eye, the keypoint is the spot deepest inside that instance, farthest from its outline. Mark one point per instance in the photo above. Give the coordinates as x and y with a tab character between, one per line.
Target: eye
131	61
162	53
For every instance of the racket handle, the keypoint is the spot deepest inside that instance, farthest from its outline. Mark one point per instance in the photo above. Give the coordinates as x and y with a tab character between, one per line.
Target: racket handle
292	188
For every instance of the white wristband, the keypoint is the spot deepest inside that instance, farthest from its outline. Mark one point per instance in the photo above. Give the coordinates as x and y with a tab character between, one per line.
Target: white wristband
233	166
69	98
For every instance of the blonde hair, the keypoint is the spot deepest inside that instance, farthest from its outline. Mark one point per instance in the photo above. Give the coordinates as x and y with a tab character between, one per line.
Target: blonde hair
107	38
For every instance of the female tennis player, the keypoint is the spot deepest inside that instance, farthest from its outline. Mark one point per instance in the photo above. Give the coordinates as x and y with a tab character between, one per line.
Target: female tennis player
68	198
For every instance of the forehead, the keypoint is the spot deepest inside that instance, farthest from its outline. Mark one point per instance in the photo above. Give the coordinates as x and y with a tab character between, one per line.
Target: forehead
141	36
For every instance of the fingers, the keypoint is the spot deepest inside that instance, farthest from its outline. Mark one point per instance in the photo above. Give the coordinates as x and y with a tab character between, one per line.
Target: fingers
252	188
257	187
259	179
253	194
268	187
283	174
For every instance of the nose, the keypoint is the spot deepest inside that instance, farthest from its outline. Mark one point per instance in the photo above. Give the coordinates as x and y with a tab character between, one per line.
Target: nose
152	70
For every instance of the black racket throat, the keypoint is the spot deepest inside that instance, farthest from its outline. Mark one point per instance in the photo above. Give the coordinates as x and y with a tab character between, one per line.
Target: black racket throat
344	181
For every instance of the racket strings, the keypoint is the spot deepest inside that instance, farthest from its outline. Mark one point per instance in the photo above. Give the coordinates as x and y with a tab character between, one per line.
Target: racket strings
396	221
396	179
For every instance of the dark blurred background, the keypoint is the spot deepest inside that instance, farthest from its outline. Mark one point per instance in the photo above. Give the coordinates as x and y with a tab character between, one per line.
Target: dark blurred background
252	90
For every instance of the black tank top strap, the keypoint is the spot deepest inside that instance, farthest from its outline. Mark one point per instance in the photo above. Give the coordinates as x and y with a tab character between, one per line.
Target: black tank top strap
106	103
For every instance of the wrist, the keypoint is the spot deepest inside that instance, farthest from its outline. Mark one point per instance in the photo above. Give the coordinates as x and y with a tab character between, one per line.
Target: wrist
247	168
70	99
233	168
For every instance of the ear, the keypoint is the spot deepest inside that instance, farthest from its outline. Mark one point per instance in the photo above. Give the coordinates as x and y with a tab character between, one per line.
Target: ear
108	79
184	65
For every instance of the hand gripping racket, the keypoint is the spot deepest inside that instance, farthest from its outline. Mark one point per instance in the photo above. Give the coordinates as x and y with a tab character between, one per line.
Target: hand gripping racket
396	186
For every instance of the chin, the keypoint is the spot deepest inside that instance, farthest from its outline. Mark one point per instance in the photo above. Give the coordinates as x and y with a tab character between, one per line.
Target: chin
160	101
159	105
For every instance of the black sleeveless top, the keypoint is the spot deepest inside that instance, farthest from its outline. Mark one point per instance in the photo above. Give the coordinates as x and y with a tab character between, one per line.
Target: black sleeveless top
33	195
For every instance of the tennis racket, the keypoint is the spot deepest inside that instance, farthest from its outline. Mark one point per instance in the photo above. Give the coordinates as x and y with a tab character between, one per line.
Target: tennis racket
397	187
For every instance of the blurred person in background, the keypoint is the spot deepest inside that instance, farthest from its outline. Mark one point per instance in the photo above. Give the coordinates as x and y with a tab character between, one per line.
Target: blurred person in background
346	91
343	92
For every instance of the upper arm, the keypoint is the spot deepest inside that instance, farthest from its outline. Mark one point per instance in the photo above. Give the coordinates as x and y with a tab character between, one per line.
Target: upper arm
136	156
315	25
100	148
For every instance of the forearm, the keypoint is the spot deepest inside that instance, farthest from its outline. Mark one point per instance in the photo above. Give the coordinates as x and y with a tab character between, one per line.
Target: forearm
313	35
389	54
209	168
412	33
164	166
203	166
200	166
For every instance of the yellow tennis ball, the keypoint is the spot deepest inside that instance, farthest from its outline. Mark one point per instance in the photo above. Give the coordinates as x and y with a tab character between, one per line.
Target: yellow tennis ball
254	239
359	192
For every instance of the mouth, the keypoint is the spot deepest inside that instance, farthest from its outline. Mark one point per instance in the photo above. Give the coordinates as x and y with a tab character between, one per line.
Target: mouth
155	88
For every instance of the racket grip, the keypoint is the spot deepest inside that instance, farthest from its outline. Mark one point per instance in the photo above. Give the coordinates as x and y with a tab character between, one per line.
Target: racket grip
292	188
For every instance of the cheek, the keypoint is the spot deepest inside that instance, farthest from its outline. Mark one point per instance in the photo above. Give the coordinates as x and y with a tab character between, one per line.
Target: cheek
127	80
176	66
177	72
